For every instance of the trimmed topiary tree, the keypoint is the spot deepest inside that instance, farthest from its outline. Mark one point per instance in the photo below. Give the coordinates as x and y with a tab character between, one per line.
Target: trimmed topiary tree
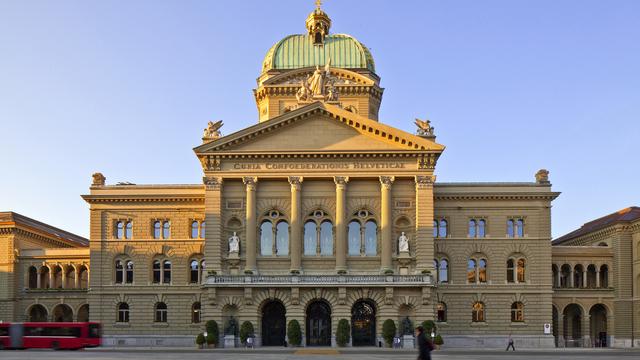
429	326
212	332
294	333
388	331
246	331
438	341
343	333
200	340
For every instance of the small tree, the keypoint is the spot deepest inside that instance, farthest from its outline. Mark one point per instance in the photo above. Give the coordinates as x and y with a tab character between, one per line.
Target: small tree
343	334
200	340
429	326
294	333
246	331
388	331
212	332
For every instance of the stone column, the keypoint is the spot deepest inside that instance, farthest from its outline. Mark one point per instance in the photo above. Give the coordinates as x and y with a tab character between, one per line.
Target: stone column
586	329
296	225
557	279
213	220
77	277
64	277
38	278
250	222
51	278
341	226
386	222
424	241
598	277
572	277
584	278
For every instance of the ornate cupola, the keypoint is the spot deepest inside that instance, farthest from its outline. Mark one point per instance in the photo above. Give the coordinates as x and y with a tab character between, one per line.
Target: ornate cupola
318	24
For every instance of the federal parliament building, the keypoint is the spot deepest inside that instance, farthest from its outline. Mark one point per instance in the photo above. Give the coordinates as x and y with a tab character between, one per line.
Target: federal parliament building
321	212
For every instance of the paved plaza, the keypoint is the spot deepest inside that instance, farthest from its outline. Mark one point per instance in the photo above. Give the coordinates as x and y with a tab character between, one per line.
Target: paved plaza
311	354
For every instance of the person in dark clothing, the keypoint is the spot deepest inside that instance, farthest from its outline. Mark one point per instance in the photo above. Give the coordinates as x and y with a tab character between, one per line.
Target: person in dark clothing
510	343
424	344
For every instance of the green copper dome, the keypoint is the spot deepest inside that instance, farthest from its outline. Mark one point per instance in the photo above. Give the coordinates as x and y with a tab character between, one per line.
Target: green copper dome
299	51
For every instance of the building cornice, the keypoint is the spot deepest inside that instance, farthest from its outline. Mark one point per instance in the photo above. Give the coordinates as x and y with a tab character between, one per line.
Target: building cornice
548	196
106	199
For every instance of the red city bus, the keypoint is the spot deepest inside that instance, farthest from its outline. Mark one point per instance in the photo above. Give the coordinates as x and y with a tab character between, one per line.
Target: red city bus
50	335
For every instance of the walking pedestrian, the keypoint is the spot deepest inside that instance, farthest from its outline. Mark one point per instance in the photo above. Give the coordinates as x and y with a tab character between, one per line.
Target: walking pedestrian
424	345
510	343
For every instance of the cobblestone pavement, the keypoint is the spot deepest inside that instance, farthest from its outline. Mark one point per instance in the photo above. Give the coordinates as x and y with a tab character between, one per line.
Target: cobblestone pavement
310	354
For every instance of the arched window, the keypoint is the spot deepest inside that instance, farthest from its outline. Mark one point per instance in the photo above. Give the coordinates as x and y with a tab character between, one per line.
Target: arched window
520	226
472	228
435	228
565	275
166	272
57	277
119	230
266	238
194	271
310	234
282	238
160	312
33	277
129	272
166	229
443	271
354	238
44	277
441	312
510	271
517	312
119	272
442	229
123	313
157	272
203	229
156	229
578	276
194	229
370	238
195	313
128	230
83	275
70	278
471	271
326	238
477	313
482	271
520	272
482	225
510	228
604	276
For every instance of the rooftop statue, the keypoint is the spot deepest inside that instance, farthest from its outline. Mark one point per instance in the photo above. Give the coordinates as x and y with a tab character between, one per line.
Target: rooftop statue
319	86
212	131
424	127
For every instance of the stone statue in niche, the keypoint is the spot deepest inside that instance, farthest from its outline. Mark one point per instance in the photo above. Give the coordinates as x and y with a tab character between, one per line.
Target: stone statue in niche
403	243
406	327
234	244
232	327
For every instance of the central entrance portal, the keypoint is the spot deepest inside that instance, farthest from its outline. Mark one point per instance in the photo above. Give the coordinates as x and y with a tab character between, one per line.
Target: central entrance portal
363	324
273	324
318	324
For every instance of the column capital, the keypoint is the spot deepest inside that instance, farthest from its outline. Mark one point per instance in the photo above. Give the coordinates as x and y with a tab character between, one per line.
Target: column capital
425	181
387	181
212	182
250	182
341	181
295	182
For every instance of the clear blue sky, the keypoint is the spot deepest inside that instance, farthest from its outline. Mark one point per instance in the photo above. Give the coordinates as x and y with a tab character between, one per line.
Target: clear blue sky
126	87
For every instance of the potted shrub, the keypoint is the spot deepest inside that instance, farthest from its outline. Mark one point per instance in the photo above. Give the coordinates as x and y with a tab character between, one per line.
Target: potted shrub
438	341
388	331
246	331
200	340
212	333
429	327
343	333
294	333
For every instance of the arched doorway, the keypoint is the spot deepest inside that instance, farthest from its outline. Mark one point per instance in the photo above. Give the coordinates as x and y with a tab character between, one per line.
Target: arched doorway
62	313
318	324
38	313
363	323
554	324
83	313
598	325
572	325
273	324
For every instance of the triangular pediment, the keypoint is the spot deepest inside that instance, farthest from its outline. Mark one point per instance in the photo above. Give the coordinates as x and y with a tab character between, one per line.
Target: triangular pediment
319	127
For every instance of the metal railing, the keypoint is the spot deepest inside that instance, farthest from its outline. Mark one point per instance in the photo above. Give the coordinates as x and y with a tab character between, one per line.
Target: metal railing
320	279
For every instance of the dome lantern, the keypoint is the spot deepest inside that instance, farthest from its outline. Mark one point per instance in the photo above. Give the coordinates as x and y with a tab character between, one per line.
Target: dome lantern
318	24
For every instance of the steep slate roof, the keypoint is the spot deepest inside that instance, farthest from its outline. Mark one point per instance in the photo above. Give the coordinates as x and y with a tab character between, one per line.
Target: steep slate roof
363	125
10	218
625	215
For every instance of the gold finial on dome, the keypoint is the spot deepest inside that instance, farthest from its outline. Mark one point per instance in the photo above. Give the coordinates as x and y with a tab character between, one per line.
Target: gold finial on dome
318	24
